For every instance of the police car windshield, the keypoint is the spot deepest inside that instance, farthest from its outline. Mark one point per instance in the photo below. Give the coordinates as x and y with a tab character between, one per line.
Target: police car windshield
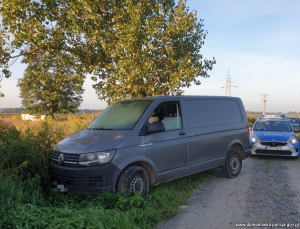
272	125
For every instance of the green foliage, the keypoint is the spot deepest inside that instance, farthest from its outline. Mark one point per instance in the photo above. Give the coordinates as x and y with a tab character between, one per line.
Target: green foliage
49	87
25	157
22	204
132	48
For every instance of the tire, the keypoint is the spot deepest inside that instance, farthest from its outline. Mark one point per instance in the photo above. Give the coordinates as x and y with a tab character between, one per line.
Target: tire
233	165
295	157
133	179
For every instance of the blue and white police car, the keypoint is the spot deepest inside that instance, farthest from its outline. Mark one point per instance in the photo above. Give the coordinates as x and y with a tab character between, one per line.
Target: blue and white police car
273	135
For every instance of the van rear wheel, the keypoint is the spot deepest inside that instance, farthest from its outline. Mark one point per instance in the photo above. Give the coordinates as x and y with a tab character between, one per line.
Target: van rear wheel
233	165
132	180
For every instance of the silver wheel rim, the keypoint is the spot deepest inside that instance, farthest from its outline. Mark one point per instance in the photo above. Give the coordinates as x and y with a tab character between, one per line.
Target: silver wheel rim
137	185
234	164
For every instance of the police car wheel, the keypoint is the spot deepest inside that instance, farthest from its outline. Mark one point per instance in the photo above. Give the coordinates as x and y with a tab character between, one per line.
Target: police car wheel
133	179
233	165
296	157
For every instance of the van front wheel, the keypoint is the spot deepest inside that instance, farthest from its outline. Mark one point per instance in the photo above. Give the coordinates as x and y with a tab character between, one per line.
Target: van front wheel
233	165
133	179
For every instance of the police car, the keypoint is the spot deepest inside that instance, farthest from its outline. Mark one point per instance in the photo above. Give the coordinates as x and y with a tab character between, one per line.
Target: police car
273	135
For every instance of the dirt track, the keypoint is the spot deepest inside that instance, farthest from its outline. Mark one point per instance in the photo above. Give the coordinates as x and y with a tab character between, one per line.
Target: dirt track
266	192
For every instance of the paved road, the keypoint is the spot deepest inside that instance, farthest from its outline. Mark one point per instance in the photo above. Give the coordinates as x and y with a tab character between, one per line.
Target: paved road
266	192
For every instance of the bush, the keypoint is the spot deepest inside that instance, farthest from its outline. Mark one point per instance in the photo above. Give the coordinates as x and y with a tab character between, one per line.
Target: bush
252	118
27	156
17	117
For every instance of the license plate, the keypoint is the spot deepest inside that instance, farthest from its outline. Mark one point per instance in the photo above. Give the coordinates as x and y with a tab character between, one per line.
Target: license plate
274	148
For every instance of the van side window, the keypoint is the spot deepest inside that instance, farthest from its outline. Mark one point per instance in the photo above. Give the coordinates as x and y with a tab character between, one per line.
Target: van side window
212	112
169	114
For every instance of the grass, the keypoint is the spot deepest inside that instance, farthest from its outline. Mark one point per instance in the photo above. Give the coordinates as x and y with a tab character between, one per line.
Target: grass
25	200
23	205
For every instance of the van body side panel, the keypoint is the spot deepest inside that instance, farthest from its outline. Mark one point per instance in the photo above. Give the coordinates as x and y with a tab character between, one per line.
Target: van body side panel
214	124
170	175
133	140
167	150
210	150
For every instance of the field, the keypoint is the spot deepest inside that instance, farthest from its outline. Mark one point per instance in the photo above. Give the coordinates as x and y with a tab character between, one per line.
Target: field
26	200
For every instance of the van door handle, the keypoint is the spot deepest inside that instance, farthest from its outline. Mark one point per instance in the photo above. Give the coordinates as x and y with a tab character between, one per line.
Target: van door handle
182	133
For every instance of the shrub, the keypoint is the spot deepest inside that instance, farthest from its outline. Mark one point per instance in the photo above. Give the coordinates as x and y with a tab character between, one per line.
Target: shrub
26	156
17	117
252	118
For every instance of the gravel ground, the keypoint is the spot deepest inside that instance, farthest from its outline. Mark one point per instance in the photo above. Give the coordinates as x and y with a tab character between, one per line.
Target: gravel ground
266	192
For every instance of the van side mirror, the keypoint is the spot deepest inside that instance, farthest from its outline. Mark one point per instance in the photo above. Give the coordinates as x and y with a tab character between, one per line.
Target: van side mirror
156	127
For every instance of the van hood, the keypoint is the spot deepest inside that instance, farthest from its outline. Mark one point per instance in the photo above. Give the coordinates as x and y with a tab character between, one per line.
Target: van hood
88	140
268	136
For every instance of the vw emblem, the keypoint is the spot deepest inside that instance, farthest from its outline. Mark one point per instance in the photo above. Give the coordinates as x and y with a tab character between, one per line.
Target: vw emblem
273	140
60	159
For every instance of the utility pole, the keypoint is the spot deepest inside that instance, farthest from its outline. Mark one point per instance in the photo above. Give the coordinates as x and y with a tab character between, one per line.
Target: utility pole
228	85
264	100
1	94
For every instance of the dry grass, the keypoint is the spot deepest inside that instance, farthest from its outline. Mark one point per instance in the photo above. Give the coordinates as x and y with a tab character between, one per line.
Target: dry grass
68	123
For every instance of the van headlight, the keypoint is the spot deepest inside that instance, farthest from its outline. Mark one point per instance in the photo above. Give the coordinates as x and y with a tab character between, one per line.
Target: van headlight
293	140
97	158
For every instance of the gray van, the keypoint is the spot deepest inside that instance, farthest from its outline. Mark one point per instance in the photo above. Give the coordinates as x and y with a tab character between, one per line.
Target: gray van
137	143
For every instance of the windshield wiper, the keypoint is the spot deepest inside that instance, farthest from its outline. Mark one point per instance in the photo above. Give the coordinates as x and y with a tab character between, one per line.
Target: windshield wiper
101	128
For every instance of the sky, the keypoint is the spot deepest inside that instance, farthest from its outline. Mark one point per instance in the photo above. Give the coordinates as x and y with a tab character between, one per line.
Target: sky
257	42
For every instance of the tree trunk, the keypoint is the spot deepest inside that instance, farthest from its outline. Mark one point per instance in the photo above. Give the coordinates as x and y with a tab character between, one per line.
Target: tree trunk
51	113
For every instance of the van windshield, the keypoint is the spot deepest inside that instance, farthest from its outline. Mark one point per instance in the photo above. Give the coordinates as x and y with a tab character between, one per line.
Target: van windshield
121	115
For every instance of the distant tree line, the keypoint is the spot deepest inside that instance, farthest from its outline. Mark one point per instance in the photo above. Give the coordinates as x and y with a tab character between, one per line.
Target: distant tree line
12	110
274	113
21	109
88	111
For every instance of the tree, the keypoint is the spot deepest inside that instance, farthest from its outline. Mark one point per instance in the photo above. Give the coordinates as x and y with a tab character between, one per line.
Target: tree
132	48
49	87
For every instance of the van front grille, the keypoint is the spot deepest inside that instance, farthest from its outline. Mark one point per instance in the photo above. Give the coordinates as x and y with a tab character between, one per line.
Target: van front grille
79	181
69	158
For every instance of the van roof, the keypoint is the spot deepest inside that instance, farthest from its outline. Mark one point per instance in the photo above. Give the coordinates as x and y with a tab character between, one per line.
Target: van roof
185	97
